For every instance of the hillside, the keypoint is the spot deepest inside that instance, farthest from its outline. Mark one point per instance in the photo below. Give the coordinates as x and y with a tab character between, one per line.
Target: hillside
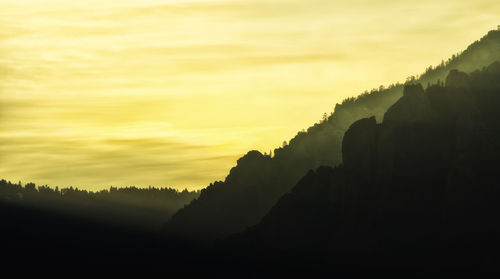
418	190
256	183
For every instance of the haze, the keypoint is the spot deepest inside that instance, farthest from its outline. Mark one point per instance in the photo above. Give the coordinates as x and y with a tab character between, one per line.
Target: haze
171	93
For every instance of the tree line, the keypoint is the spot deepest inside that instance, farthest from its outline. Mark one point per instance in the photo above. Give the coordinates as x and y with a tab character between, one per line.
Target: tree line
145	208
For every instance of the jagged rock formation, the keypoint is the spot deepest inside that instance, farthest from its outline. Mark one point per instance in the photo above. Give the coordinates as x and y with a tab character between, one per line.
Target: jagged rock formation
359	145
413	107
418	189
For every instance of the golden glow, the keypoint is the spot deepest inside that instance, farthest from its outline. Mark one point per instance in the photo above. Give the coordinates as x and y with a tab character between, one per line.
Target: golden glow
171	93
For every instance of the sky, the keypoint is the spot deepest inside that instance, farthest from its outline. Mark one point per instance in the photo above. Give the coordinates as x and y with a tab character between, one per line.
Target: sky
172	93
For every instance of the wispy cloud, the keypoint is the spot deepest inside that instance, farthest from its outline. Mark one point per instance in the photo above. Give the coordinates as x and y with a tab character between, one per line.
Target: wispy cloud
172	92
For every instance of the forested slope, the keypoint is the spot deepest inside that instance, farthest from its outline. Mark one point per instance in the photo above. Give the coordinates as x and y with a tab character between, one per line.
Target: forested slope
418	190
255	184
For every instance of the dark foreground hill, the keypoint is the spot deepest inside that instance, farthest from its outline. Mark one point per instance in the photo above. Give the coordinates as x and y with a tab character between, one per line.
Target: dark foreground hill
256	183
418	191
37	242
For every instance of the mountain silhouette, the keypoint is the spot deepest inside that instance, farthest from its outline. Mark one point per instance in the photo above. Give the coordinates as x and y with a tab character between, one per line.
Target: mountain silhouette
419	190
256	183
399	178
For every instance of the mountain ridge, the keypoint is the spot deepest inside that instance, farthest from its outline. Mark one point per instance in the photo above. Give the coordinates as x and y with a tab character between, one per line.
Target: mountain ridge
418	191
253	187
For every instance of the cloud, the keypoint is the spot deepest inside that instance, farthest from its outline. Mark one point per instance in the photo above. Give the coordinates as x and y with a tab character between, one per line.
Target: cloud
172	92
100	163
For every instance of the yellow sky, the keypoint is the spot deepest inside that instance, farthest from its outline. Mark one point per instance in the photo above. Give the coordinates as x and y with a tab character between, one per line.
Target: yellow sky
171	93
